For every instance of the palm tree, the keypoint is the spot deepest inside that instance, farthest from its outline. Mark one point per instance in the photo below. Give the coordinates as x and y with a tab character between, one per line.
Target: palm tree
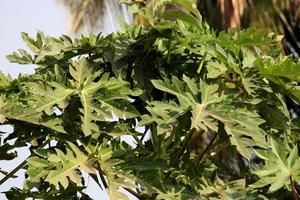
90	14
279	16
93	15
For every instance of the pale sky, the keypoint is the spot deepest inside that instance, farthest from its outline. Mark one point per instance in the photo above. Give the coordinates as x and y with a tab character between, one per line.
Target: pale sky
29	16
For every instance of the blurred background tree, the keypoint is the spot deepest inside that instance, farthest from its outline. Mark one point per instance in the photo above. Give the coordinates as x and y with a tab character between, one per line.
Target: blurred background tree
278	16
87	16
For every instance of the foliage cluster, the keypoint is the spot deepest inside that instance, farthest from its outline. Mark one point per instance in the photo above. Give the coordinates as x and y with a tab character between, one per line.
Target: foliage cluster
206	112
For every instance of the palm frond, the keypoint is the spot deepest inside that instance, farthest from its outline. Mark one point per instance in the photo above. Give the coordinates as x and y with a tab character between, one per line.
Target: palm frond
83	13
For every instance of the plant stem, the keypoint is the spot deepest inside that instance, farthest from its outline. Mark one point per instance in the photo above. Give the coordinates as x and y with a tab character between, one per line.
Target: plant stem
294	190
12	173
144	134
102	177
178	154
133	193
94	176
199	158
154	137
140	143
20	166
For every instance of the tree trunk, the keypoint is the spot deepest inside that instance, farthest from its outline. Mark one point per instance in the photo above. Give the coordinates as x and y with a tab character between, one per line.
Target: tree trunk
232	11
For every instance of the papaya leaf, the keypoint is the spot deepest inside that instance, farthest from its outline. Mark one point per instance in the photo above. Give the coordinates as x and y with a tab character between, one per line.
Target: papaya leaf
60	168
113	100
280	166
208	109
44	98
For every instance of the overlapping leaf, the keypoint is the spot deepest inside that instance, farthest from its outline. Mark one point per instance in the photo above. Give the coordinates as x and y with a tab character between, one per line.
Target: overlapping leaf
52	50
208	109
284	73
101	100
280	167
44	98
92	84
17	111
164	114
60	168
116	178
231	190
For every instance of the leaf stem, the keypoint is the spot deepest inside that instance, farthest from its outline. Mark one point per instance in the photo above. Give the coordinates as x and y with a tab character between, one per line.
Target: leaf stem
177	155
140	143
154	137
133	193
199	158
94	176
144	134
294	190
102	177
12	173
20	166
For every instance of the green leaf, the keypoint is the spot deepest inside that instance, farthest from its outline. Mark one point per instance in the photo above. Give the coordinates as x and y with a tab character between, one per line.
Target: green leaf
201	116
215	69
5	80
284	73
34	46
113	101
190	6
165	114
66	166
89	115
174	87
241	125
285	68
59	168
182	15
24	58
44	98
81	71
17	111
38	169
116	178
245	132
280	165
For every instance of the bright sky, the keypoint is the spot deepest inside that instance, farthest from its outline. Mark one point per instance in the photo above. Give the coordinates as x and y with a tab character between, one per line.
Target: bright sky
18	16
27	16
